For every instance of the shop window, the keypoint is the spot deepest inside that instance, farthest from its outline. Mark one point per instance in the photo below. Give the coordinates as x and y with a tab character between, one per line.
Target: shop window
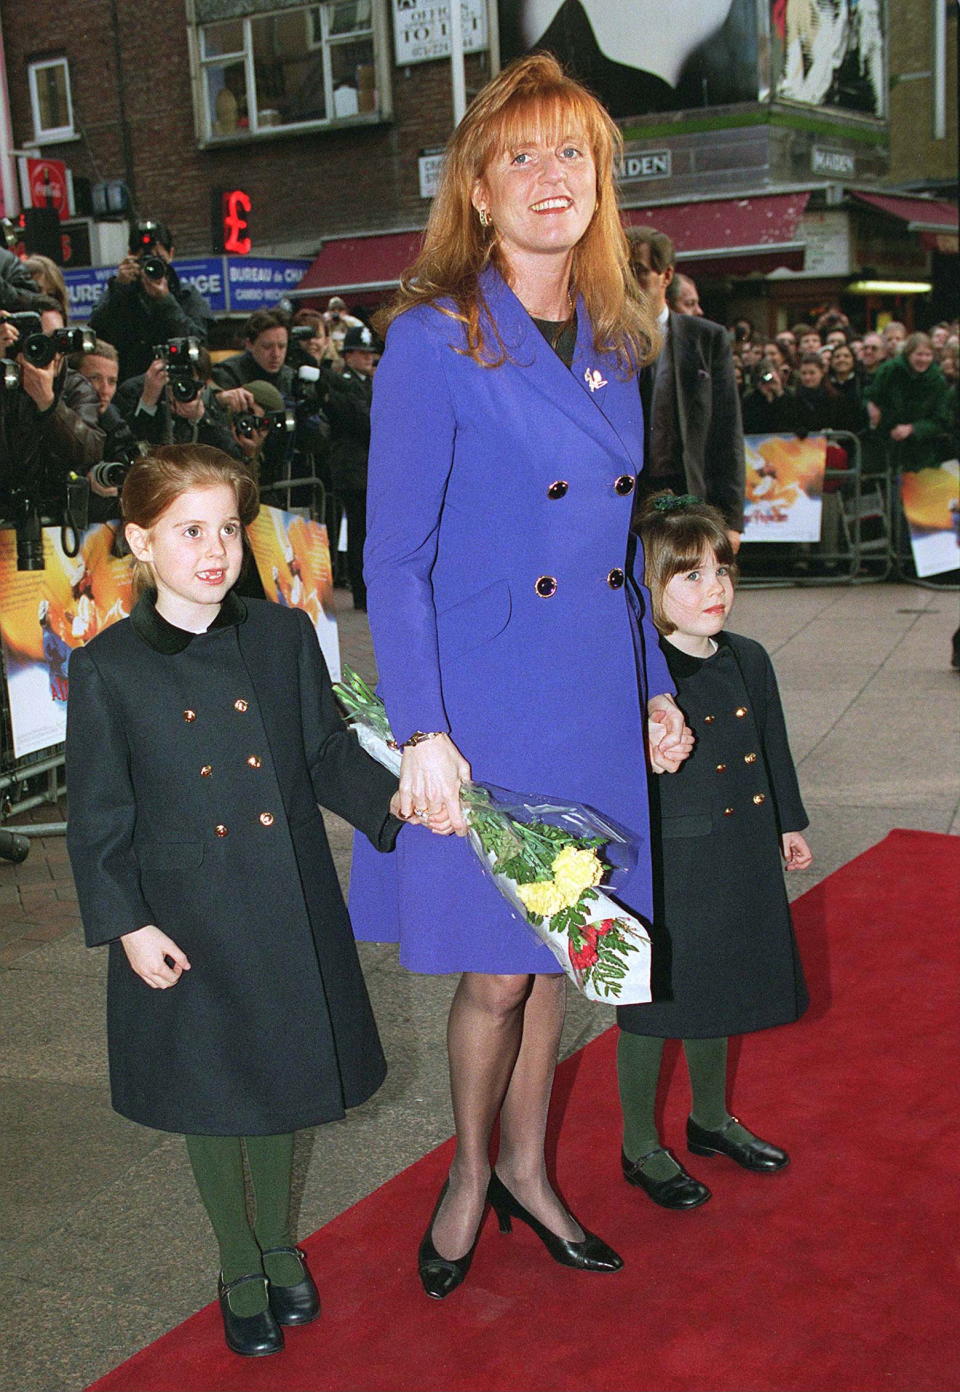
50	100
292	69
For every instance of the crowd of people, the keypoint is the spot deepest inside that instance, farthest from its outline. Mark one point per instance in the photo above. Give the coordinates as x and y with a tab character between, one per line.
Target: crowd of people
294	402
897	391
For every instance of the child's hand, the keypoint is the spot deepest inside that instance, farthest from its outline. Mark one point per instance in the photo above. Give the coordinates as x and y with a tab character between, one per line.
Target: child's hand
797	854
669	738
437	822
147	950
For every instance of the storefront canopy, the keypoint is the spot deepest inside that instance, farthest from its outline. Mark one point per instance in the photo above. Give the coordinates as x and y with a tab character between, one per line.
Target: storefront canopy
934	220
731	236
353	265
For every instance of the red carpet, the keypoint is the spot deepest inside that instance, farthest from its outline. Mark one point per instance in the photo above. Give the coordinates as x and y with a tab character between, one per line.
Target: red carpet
839	1275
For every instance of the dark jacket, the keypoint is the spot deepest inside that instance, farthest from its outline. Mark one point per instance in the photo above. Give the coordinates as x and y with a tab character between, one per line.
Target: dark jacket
163	427
243	368
920	399
347	407
709	432
39	449
134	323
196	766
18	289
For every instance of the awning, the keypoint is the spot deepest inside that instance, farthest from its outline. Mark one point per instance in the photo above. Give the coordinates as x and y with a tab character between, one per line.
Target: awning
351	265
934	220
732	236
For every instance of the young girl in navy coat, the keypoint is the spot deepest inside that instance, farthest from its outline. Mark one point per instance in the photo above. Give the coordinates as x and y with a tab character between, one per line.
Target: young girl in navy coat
728	962
202	733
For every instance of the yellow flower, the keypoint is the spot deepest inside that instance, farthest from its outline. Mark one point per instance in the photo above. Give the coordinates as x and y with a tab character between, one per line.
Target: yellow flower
574	871
541	898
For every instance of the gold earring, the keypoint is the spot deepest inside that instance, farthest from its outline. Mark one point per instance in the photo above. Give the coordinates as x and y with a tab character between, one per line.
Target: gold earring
484	217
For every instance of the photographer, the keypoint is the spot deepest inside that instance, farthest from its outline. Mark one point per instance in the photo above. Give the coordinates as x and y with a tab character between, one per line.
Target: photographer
99	367
146	303
178	408
52	417
266	357
768	409
251	427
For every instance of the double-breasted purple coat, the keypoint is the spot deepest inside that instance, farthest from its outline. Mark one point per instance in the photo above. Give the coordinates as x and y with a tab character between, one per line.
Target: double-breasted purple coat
499	503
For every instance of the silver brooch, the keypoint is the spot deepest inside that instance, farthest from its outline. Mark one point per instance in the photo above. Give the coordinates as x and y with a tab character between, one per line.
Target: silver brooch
594	378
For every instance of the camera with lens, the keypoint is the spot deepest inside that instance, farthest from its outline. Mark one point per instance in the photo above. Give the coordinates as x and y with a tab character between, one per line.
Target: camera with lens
302	333
144	240
768	377
182	356
110	473
273	422
41	348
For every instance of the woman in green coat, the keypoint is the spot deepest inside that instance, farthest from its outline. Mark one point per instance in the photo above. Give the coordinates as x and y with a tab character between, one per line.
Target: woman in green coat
909	405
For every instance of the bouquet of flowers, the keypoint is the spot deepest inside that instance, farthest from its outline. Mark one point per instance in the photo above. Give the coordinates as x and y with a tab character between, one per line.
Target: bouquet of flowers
544	857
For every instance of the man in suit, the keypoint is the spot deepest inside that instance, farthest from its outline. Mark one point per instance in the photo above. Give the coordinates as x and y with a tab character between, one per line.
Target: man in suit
693	436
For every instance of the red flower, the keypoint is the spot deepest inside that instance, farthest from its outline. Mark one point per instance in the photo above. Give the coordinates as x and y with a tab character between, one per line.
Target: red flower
584	957
604	927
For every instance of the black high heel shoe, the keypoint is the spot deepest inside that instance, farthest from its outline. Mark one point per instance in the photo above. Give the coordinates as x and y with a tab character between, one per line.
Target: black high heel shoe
296	1304
439	1275
590	1254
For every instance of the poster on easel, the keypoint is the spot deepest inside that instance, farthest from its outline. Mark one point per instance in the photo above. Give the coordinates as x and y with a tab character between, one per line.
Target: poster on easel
784	487
45	615
293	560
931	505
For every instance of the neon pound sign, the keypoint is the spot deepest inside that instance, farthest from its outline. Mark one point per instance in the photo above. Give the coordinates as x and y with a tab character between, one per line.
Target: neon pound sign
236	206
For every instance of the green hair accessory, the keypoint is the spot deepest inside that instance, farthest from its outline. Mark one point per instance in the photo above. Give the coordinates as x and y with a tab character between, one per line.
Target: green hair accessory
668	502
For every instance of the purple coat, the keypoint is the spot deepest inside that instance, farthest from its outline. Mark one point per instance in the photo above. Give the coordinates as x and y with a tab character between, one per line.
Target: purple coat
484	482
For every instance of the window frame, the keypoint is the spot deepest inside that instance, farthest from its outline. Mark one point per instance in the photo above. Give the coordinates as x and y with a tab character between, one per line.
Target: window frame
203	114
53	135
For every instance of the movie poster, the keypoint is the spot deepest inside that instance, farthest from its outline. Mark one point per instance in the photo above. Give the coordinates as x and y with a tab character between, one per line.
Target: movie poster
830	53
641	56
931	505
46	614
293	559
784	487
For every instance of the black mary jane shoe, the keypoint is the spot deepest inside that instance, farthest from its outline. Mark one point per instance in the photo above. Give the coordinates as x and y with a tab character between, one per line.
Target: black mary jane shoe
591	1253
252	1336
296	1304
680	1190
753	1154
440	1275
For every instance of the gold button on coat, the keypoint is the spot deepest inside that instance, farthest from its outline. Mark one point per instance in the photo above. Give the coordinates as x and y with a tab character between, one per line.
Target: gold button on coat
558	489
206	771
546	586
759	798
615	578
266	819
721	768
254	761
189	716
624	484
728	811
709	719
749	758
740	712
240	704
220	830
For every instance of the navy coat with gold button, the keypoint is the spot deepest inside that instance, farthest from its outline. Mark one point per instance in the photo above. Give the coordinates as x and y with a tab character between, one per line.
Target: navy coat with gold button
195	766
725	960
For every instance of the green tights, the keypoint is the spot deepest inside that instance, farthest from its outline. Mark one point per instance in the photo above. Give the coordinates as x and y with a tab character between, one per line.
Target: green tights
638	1072
217	1163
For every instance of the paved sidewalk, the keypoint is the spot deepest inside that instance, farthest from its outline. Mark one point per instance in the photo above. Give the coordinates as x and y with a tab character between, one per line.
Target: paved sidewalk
102	1240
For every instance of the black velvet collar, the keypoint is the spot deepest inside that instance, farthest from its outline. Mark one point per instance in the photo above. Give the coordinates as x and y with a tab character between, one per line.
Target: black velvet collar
165	637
